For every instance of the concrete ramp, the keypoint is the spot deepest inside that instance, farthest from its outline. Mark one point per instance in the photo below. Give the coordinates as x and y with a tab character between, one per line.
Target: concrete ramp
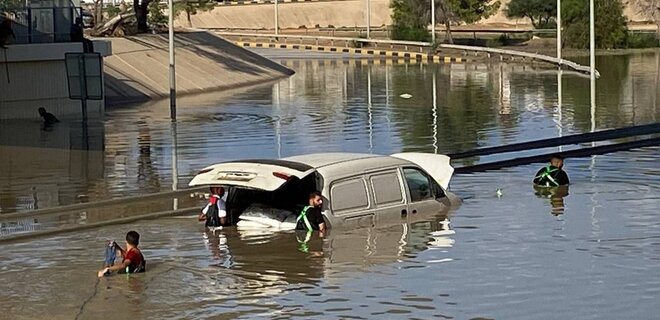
138	68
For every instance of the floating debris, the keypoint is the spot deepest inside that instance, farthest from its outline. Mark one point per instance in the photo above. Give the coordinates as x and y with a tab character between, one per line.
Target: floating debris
406	96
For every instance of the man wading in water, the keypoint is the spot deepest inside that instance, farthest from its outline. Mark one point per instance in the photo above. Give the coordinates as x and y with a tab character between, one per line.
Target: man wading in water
552	175
133	260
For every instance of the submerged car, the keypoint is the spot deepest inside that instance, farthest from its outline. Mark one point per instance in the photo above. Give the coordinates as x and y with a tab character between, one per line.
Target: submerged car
359	190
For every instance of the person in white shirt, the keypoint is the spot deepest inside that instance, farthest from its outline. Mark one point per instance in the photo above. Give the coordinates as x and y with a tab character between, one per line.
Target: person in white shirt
215	212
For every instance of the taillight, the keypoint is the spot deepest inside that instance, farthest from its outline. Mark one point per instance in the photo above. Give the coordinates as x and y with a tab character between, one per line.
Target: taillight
281	175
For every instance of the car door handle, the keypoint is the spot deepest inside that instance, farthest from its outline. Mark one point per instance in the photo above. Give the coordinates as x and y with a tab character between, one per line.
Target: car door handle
404	212
414	211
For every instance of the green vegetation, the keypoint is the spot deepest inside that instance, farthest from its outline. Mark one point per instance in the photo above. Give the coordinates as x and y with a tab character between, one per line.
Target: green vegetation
156	17
408	22
11	6
192	7
411	18
611	25
542	13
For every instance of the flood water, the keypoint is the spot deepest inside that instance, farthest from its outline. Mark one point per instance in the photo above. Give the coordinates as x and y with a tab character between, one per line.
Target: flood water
592	254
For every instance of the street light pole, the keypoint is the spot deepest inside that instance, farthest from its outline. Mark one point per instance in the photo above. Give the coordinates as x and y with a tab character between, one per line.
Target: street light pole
592	62
592	41
559	31
170	7
433	21
368	19
277	18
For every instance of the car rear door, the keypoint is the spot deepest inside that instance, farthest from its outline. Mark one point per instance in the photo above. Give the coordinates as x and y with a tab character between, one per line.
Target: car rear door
267	175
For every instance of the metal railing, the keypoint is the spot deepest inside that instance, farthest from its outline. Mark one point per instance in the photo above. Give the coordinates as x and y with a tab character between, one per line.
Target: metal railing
332	40
421	45
43	24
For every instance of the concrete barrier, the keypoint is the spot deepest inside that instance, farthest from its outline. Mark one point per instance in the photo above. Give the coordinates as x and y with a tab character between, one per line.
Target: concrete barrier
138	69
373	53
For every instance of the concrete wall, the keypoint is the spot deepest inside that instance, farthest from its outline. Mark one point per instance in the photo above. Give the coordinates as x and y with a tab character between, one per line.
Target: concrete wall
345	13
138	68
34	75
348	13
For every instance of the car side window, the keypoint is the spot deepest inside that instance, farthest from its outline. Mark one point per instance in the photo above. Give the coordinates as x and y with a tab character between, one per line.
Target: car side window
420	186
387	188
349	195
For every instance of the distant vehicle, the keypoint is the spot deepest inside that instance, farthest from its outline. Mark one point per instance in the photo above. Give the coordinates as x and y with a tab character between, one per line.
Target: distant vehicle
359	190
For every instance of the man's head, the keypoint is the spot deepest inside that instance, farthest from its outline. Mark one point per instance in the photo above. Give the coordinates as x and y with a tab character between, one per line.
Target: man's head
220	191
557	160
133	238
42	111
315	199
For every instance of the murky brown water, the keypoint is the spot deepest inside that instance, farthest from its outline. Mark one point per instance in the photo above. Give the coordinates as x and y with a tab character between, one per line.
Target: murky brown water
590	255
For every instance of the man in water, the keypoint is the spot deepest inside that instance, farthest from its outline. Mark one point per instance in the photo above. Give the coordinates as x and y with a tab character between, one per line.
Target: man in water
311	218
49	118
133	260
215	212
552	175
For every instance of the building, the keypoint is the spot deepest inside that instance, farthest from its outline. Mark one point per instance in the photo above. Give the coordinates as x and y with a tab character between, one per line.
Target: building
32	66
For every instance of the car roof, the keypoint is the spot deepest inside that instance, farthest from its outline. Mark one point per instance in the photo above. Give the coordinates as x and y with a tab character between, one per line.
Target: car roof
341	164
319	160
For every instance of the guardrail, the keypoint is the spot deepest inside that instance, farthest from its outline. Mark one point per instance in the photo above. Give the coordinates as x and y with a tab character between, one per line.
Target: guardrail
241	36
421	45
534	56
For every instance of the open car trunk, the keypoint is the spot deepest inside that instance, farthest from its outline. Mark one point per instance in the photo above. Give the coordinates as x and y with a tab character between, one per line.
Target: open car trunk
277	184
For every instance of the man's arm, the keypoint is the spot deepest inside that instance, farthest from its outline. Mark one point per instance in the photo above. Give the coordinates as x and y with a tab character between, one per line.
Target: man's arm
120	249
120	266
537	177
222	211
563	178
202	215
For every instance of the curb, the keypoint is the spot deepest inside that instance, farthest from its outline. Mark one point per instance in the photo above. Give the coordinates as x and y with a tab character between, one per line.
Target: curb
382	54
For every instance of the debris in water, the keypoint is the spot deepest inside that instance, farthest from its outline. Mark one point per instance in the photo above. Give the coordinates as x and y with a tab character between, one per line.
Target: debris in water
406	96
499	192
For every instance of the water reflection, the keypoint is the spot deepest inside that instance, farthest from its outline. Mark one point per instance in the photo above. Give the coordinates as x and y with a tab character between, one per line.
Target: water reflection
594	259
327	106
556	196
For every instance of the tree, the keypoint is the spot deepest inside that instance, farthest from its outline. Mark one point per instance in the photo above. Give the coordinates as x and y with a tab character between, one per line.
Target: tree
411	17
408	21
156	17
651	9
611	25
192	7
540	12
141	9
467	11
11	6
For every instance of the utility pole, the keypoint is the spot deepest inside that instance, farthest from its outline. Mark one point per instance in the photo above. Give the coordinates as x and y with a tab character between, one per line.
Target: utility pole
592	62
277	18
559	31
433	21
170	14
592	41
368	19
